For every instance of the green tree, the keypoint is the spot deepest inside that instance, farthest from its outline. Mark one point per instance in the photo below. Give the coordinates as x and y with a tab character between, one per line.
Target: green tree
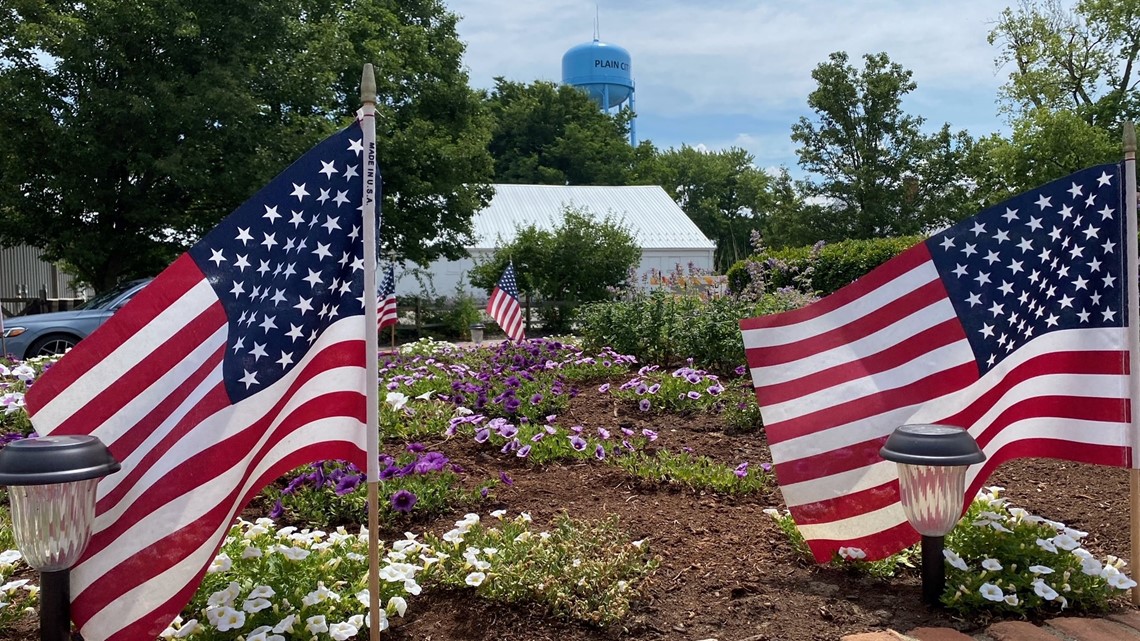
581	259
876	171
722	192
549	134
1078	57
127	130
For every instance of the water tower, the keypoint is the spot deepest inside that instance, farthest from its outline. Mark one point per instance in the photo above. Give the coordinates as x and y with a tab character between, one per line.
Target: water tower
605	72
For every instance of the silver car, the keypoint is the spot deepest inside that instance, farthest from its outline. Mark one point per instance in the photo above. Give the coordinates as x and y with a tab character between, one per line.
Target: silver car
57	332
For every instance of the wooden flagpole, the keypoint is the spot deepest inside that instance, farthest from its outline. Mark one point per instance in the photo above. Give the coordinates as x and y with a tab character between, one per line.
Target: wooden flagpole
1133	266
371	340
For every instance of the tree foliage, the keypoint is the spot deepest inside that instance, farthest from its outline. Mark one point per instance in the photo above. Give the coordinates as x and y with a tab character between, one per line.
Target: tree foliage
1078	57
579	260
548	134
127	130
877	172
722	192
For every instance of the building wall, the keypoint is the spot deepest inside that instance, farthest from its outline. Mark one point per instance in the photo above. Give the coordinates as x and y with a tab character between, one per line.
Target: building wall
23	273
447	274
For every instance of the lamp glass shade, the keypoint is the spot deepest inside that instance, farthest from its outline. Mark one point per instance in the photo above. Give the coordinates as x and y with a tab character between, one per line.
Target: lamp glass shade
52	523
932	496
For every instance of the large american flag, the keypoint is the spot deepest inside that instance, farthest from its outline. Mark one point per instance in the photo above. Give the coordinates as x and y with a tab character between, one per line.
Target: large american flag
504	305
242	360
1010	324
386	301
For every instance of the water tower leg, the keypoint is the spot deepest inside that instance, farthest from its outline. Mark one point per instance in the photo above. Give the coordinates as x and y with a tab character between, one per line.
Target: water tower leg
632	121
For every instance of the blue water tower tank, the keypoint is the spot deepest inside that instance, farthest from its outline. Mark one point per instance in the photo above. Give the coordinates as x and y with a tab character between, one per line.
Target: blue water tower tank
602	69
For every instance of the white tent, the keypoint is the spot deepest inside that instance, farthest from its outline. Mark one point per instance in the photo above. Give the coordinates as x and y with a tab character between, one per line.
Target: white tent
667	236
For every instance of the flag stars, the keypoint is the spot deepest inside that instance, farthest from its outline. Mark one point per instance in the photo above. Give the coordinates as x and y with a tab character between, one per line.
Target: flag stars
1044	201
294	332
268	323
997	309
1106	213
1001	236
331	223
960	270
1109	315
1091	232
271	214
1055	234
1051	320
1025	245
1108	246
1095	299
356	146
970	249
270	240
1083	316
216	257
1006	288
978	228
987	330
1090	201
992	257
237	289
297	219
982	278
1034	223
328	169
1065	211
1075	190
286	360
350	172
249	379
974	299
243	235
1010	215
299	191
322	250
1109	280
947	242
324	196
263	268
1104	180
341	198
1094	265
1015	266
258	351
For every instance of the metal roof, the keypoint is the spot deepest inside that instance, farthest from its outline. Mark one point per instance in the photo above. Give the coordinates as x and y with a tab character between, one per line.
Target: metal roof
653	218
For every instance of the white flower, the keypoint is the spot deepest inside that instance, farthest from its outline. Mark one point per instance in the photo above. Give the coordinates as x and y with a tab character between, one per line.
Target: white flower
954	560
1041	589
1066	542
1012	599
991	564
525	516
230	619
262	634
251	552
772	512
396	400
357	620
498	514
226	596
293	553
638	543
1116	578
1040	569
9	557
398	604
1076	534
412	588
11	586
221	563
1047	545
490	551
261	592
426	396
365	597
190	627
285	625
255	605
852	553
1000	528
316	624
1090	566
991	592
475	579
454	536
1018	514
342	631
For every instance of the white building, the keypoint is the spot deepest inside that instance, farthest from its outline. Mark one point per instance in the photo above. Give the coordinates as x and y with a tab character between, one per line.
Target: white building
666	235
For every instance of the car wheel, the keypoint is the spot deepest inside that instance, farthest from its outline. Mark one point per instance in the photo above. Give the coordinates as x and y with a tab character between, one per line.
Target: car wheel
52	344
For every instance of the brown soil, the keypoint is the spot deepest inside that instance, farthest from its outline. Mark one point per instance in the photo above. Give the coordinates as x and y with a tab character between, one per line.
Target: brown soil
727	572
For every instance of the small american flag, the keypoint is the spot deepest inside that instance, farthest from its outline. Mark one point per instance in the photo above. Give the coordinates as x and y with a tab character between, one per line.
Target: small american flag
241	361
1010	324
504	305
386	301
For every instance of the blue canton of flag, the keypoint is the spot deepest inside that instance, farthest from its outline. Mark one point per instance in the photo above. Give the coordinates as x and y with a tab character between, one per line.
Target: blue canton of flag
289	263
1048	260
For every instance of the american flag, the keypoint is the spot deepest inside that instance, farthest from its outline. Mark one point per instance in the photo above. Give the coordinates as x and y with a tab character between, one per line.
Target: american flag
504	305
1010	324
386	301
241	361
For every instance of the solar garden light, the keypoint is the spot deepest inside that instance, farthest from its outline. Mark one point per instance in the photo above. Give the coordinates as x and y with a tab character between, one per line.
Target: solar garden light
932	462
477	332
52	483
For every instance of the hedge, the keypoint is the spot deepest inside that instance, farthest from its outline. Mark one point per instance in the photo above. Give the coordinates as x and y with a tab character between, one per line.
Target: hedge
838	263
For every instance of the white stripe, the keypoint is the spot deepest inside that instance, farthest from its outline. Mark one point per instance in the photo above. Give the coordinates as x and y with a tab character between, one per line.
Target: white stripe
218	427
870	523
880	297
882	340
103	374
934	361
159	589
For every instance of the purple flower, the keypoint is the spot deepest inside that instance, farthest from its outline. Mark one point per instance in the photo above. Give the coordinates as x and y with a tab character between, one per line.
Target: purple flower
627	445
506	430
278	510
511	405
767	467
430	462
604	388
741	370
654	387
578	443
389	472
741	470
577	429
643	405
538	437
347	483
482	434
551	417
650	434
550	430
642	389
604	433
506	479
415	447
523	452
627	431
403	501
693	394
715	390
536	399
599	452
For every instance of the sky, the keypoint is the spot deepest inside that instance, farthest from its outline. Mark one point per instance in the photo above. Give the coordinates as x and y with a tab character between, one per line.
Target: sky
724	73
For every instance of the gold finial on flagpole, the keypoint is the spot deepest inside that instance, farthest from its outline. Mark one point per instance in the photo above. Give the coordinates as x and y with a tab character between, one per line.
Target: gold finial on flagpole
1129	139
368	84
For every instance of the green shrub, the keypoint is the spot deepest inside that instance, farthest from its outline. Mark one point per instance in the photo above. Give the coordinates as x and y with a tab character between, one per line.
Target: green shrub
837	265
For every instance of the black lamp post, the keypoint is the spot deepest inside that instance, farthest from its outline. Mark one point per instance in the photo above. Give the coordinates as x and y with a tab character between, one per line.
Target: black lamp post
52	483
932	462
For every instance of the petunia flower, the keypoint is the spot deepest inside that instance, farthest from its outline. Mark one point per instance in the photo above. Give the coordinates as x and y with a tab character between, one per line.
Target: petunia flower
403	501
991	592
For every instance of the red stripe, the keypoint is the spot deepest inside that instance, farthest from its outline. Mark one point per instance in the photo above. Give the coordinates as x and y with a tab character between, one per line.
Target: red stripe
898	354
877	546
222	456
170	550
915	393
878	277
182	275
853	330
145	372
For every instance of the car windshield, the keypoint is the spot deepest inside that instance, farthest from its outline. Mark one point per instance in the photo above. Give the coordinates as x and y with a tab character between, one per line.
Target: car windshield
107	297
